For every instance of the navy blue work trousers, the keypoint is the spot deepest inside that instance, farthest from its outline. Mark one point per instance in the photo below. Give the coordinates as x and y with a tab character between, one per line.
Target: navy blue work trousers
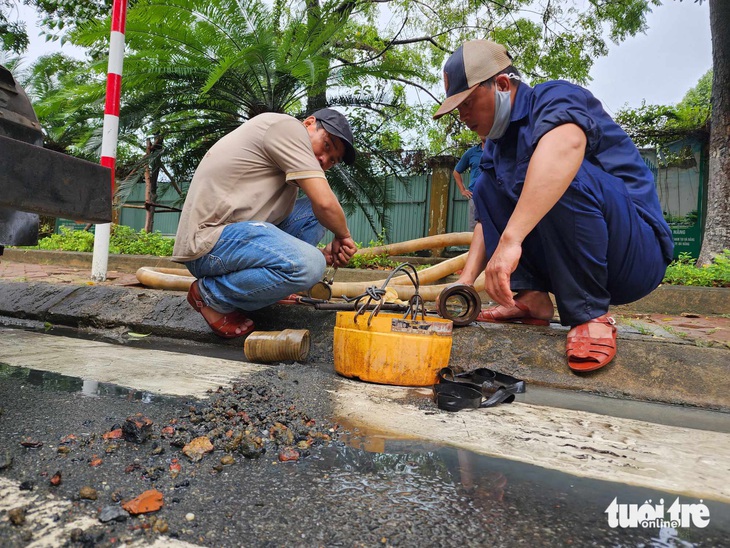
591	250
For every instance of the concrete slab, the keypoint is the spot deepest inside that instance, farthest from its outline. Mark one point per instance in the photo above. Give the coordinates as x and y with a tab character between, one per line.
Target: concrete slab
157	372
682	460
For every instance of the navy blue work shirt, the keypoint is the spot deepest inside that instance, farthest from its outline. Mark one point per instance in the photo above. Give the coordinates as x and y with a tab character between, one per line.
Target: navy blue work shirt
471	160
538	110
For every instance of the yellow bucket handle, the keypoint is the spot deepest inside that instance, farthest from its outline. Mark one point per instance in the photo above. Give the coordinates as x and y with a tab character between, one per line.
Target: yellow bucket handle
376	294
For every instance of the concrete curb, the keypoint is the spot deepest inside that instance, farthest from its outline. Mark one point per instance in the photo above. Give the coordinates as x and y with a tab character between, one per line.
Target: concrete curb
666	299
646	368
675	299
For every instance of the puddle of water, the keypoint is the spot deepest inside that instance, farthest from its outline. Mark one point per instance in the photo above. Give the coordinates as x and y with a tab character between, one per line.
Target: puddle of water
658	413
467	492
434	477
46	380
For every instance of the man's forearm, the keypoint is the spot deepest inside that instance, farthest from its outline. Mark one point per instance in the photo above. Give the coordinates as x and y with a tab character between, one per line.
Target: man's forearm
459	181
476	260
332	217
325	206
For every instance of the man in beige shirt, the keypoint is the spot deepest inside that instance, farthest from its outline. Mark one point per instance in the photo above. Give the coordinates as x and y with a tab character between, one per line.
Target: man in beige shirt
244	235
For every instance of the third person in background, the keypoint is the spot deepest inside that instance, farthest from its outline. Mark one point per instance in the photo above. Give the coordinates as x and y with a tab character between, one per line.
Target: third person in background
469	160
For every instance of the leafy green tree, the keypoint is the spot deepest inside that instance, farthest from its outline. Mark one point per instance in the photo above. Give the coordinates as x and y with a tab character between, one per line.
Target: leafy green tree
554	40
195	70
661	125
13	33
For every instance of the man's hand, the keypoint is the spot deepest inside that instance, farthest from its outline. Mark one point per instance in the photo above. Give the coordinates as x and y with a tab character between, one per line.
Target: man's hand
466	193
499	270
327	252
339	251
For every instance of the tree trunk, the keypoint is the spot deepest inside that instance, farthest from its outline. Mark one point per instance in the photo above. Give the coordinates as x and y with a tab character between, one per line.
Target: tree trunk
150	179
317	92
717	226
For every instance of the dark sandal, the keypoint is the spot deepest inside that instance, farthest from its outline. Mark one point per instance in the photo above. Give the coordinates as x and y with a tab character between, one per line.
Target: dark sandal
476	389
586	353
225	326
490	315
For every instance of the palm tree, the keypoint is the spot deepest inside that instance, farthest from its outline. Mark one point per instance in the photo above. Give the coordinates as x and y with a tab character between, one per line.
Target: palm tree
197	69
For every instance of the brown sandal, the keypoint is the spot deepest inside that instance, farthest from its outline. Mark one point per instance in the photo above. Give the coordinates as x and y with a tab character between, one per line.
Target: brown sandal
291	299
492	315
229	326
587	353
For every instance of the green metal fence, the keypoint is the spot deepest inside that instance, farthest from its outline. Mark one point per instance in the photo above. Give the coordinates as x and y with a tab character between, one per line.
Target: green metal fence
680	189
407	215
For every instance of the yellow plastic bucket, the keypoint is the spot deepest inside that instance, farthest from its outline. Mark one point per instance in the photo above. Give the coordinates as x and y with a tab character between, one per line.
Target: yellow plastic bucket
391	350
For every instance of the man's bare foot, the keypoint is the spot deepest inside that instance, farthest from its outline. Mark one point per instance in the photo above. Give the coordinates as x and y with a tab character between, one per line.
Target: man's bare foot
531	307
596	330
537	302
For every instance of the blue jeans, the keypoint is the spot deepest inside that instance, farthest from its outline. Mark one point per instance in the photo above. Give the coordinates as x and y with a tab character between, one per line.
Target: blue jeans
254	264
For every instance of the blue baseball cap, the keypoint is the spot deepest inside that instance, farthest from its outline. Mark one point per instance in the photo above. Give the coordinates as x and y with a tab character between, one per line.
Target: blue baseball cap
474	62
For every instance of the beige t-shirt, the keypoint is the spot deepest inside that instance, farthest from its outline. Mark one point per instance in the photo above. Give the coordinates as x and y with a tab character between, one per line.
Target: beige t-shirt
249	175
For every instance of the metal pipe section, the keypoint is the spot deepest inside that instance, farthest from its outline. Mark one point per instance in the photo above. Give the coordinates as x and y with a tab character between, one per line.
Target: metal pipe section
276	346
459	303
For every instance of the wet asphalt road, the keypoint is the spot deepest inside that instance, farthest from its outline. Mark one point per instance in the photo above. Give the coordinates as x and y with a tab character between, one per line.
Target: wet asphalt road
355	489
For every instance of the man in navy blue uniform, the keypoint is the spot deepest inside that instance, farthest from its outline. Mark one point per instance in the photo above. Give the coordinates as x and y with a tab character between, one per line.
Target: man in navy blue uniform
470	160
565	203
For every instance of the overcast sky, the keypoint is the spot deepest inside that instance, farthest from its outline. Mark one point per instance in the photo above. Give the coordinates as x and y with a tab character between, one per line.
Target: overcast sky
658	66
661	65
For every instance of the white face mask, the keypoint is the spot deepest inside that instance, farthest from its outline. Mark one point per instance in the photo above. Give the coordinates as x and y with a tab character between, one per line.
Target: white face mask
502	110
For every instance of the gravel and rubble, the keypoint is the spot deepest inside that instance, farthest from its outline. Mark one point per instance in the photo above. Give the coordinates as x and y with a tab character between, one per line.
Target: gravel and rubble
346	488
136	474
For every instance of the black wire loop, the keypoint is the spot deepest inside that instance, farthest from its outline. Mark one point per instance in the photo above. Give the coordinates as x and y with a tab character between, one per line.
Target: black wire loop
375	294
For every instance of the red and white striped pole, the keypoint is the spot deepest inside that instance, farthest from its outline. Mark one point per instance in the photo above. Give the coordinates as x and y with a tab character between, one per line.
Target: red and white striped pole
111	130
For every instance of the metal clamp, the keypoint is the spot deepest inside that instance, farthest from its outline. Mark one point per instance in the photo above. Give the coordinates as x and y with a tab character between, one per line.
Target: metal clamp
323	290
459	303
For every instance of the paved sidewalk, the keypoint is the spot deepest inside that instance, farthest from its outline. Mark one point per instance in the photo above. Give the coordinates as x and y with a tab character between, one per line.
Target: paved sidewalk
51	273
